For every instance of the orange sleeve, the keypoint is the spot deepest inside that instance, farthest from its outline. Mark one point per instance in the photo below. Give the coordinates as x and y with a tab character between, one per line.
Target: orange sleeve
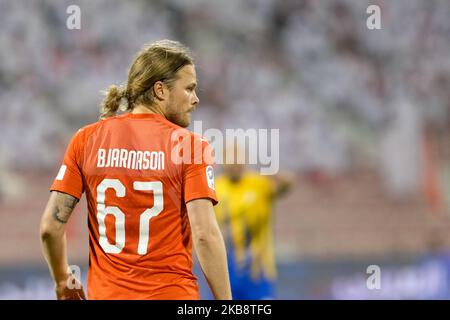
69	178
198	177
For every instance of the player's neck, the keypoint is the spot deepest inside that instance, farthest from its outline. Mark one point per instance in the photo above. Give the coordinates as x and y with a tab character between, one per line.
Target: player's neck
139	109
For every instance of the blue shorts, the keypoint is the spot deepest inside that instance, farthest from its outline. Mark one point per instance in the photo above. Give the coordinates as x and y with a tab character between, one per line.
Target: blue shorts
243	287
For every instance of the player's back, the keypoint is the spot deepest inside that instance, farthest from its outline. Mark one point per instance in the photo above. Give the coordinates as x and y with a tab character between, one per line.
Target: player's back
139	233
130	175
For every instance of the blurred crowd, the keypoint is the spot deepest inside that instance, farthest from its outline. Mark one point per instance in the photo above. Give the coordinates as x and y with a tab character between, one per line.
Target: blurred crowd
343	96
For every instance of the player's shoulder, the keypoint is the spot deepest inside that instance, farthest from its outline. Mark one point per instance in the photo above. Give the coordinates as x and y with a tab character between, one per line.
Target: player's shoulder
177	131
193	136
166	124
94	126
199	139
196	143
85	131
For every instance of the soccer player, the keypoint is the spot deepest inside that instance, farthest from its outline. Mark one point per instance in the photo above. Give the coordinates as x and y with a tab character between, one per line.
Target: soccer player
245	216
149	187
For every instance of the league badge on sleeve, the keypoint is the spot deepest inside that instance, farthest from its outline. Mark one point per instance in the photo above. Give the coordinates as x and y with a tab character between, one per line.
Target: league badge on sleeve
210	177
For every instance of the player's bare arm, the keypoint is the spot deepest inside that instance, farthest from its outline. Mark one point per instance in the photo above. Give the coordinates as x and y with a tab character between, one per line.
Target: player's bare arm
210	247
53	239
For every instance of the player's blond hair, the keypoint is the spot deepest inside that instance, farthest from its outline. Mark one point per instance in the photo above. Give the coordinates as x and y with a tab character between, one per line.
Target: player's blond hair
158	61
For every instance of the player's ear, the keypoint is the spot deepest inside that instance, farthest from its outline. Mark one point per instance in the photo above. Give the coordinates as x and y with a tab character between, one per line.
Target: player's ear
160	91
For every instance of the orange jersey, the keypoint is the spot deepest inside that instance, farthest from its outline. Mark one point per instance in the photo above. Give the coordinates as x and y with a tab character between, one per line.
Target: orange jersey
140	244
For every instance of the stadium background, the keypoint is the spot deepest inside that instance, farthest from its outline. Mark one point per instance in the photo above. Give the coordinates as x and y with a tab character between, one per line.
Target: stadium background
363	114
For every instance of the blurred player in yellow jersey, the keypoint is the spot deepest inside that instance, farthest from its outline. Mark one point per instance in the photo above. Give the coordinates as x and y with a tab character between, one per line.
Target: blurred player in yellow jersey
245	217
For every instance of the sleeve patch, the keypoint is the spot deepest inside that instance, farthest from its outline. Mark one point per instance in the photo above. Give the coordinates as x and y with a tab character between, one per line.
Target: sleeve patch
210	177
